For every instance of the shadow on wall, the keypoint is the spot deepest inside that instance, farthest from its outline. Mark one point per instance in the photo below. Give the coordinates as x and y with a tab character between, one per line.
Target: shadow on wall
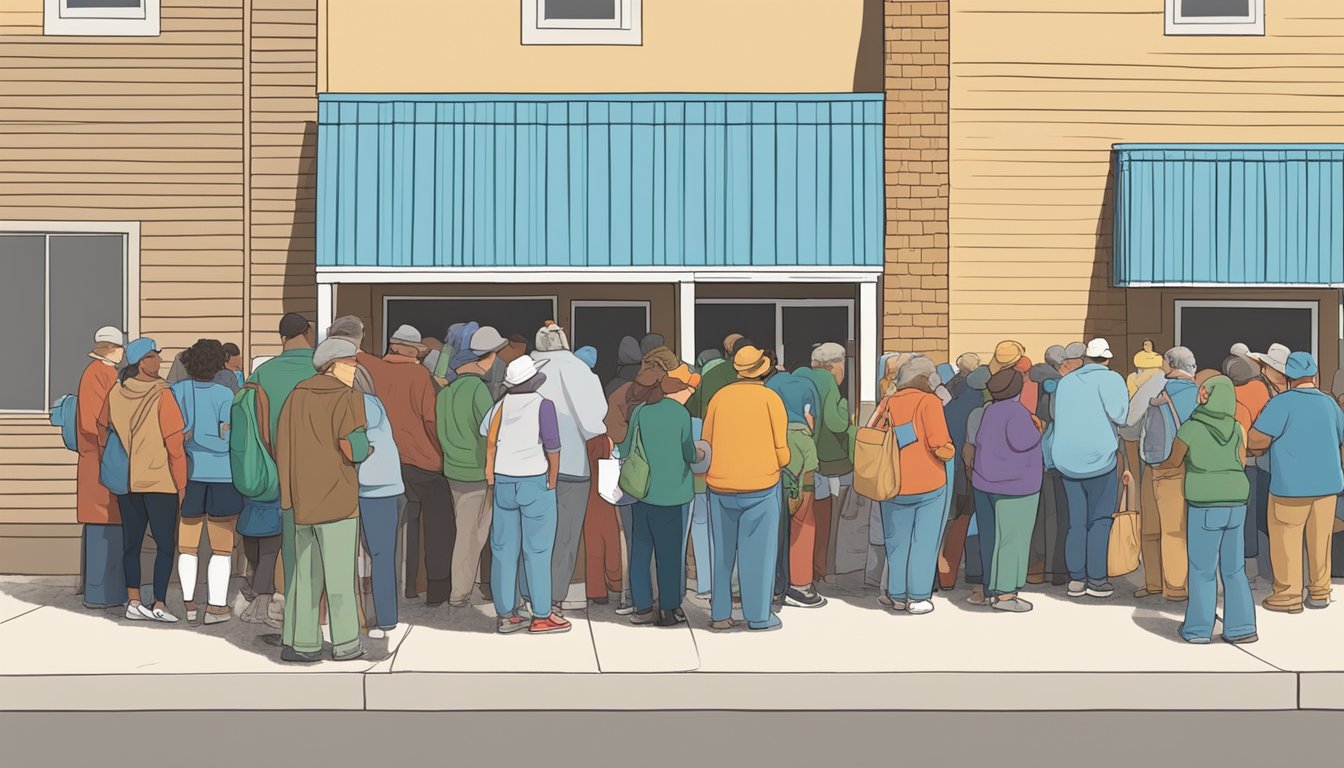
1105	303
299	292
869	72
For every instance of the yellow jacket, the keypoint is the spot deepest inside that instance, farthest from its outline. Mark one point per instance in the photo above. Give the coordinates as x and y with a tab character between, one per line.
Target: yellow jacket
747	431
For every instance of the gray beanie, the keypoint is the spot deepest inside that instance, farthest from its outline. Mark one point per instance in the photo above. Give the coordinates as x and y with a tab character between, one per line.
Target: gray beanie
331	350
914	367
1181	359
1055	355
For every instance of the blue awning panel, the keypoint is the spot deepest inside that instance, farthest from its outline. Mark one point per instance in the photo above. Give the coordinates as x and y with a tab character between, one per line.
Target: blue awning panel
1269	214
600	180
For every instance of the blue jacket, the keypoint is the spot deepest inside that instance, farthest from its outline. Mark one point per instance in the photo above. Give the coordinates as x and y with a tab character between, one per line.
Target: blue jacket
1090	404
380	474
799	395
205	410
1184	395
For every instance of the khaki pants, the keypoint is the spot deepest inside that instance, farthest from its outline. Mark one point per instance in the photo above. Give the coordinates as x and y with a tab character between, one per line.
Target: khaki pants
473	532
1150	531
1294	522
1169	492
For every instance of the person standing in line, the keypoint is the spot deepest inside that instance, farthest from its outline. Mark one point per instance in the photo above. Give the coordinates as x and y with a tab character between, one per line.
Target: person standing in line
1090	404
661	431
1052	528
233	365
211	505
628	361
1009	470
1303	431
380	485
321	440
1179	393
461	407
795	582
833	432
747	430
1252	393
149	425
981	526
580	408
95	506
522	467
1210	449
406	389
1145	384
718	378
964	401
912	521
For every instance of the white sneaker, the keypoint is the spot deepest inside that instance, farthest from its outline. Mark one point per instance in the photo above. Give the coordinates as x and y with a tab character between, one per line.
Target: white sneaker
625	609
138	612
192	615
275	609
377	634
217	618
920	607
1077	589
161	615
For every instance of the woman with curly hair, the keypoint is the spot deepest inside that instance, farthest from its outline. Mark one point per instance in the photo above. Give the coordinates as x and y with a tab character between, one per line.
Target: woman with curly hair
211	504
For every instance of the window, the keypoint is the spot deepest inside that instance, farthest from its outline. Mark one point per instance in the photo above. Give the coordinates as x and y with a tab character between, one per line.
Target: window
1215	17
113	18
431	315
1210	328
58	289
602	324
582	22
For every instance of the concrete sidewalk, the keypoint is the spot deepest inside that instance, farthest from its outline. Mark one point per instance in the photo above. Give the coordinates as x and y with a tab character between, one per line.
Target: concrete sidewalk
849	655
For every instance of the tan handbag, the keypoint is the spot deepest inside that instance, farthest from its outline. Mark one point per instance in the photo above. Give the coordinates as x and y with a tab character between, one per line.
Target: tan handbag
877	458
1122	551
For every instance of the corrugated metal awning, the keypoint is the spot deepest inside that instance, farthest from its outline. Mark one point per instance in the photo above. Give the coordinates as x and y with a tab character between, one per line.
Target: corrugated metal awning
1229	214
611	180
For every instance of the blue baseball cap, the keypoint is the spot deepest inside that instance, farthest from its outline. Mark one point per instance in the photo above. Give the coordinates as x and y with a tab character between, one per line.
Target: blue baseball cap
136	350
1301	365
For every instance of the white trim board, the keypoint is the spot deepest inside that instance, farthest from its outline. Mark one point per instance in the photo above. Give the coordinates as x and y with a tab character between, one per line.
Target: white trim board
1295	286
548	275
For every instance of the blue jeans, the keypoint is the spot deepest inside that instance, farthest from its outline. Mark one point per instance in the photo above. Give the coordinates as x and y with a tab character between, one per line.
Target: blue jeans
523	524
1092	504
912	529
378	524
744	529
104	574
657	537
984	522
1214	541
699	540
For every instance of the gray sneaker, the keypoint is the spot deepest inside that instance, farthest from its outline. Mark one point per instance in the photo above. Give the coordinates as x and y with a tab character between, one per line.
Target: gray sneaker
1077	589
643	617
1011	604
1317	605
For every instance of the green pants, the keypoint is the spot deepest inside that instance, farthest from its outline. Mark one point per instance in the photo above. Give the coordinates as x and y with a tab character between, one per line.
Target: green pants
802	461
287	568
1014	521
324	559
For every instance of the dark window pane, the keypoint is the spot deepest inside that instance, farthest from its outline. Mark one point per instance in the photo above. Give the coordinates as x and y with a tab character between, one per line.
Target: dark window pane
713	323
103	3
806	327
1210	332
1197	8
433	316
23	298
581	9
87	292
603	328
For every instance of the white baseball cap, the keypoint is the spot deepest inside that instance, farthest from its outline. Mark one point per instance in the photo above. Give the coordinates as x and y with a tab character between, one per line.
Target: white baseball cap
110	334
1099	348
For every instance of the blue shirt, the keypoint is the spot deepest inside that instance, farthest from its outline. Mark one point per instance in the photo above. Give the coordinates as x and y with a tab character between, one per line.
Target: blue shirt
380	473
1308	429
1090	404
205	410
1184	395
799	395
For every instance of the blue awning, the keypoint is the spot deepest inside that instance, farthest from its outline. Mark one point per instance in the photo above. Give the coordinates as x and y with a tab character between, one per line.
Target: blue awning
599	180
1229	214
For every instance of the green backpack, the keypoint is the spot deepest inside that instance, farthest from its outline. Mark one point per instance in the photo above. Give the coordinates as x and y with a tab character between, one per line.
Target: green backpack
635	470
251	457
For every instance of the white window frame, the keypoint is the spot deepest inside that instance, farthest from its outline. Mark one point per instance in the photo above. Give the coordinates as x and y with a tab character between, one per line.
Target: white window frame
577	305
1254	24
1313	306
387	332
130	264
626	29
58	19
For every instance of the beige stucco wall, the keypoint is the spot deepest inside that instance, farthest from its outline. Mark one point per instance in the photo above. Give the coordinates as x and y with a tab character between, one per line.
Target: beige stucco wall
1039	94
473	46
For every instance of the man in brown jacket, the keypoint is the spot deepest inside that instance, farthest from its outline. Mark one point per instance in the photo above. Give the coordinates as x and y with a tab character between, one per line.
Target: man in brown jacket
319	443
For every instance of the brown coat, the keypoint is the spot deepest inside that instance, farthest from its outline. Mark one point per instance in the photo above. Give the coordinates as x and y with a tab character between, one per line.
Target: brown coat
317	479
94	504
406	389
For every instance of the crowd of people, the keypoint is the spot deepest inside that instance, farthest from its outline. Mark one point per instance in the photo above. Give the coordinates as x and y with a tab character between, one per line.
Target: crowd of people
474	463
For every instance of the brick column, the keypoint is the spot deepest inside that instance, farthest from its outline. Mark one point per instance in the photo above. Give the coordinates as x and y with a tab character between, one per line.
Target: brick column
915	287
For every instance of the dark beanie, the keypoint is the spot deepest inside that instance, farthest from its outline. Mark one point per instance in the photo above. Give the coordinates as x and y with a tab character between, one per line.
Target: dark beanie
1006	384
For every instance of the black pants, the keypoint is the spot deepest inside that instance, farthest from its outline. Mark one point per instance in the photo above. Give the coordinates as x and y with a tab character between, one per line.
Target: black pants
261	554
158	513
429	493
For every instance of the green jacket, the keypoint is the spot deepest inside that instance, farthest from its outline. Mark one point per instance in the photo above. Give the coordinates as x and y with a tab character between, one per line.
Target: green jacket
833	427
458	413
279	376
665	433
711	382
1214	476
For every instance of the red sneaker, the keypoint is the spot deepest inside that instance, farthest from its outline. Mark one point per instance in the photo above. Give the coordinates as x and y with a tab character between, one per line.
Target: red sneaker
553	624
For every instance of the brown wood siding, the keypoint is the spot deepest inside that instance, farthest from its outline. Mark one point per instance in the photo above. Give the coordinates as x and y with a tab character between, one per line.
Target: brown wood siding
146	129
1042	90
